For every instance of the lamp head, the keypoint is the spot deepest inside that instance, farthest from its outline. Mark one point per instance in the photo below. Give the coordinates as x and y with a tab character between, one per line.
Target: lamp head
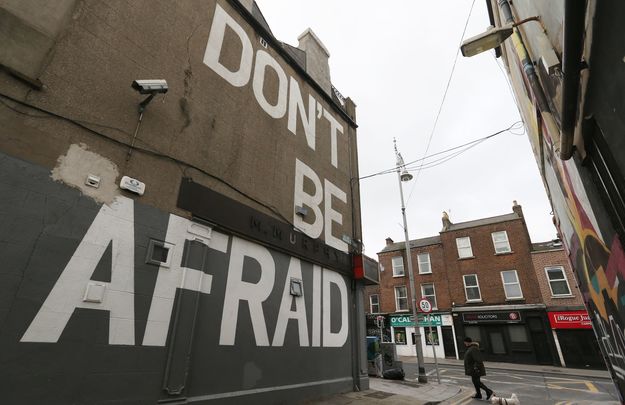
405	176
491	38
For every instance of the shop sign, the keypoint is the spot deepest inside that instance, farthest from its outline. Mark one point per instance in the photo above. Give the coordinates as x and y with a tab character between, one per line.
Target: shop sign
429	320
480	317
570	320
401	320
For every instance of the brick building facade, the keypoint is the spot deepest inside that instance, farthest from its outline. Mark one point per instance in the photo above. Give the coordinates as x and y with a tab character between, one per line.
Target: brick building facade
481	279
570	323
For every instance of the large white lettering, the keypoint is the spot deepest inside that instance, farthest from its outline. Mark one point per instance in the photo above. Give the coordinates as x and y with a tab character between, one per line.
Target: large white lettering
254	294
296	104
302	198
241	76
175	276
299	314
264	61
334	339
113	225
313	200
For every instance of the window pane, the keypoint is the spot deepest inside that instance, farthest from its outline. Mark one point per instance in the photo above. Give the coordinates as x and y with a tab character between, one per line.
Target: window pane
496	342
424	263
473	332
509	276
470	280
473	293
518	333
560	288
427	289
555	274
513	291
400	335
398	266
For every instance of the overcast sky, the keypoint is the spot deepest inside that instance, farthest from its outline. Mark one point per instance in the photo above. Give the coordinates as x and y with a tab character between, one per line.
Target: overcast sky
394	60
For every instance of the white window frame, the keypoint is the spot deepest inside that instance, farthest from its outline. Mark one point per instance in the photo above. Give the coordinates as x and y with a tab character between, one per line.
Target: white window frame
397	298
428	262
506	248
565	278
505	284
462	248
371	303
395	273
477	284
428	297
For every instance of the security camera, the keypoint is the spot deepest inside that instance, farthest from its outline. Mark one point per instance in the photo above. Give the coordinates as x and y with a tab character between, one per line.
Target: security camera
150	86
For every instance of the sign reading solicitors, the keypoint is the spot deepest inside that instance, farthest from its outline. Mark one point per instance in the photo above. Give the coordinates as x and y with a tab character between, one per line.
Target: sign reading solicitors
485	317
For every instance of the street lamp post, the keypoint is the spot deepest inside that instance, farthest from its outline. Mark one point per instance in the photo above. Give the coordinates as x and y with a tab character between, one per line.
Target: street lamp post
405	176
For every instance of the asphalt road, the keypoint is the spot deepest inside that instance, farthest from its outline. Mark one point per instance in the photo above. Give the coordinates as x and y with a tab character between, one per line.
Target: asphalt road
530	388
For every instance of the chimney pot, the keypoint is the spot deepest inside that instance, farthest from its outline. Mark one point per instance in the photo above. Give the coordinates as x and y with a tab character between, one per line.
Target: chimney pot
389	241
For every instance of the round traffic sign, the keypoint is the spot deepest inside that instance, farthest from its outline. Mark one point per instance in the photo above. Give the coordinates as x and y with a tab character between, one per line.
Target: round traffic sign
425	305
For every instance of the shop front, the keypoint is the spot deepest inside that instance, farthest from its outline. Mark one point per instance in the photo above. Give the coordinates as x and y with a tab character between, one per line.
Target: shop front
576	342
437	333
515	333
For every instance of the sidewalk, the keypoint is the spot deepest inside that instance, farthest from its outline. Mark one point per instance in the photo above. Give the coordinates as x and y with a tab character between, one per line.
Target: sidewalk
391	392
518	367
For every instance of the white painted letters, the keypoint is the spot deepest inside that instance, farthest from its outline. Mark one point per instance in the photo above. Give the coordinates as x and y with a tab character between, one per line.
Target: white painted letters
334	339
333	216
264	60
296	104
295	271
114	224
221	20
302	198
254	294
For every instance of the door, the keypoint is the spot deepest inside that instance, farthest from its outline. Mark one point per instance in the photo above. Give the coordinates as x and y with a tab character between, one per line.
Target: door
539	340
496	341
448	342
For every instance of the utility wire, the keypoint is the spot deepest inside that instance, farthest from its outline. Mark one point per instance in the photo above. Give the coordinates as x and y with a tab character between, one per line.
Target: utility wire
467	146
440	108
143	150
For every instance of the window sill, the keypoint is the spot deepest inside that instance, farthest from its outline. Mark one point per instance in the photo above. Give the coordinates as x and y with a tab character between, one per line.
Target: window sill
504	253
424	273
562	296
400	275
515	299
466	258
473	301
402	310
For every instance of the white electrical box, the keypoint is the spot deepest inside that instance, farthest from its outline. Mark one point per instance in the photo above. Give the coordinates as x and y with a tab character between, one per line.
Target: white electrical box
132	185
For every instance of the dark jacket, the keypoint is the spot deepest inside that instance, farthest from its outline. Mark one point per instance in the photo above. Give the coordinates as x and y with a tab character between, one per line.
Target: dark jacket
473	363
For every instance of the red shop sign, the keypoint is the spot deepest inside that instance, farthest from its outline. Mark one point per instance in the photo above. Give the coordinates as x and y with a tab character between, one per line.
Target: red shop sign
570	320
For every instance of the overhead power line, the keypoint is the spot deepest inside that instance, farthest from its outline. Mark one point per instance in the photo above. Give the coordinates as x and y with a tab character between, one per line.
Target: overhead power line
459	150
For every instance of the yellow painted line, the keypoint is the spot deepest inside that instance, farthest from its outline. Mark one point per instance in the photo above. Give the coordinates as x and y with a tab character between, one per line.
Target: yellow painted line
591	387
558	387
462	400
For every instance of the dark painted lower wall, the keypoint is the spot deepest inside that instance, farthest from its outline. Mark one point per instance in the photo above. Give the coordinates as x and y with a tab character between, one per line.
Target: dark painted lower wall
170	339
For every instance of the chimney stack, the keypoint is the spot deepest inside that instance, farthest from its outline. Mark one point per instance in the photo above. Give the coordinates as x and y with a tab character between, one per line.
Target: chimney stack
389	241
446	222
317	56
517	208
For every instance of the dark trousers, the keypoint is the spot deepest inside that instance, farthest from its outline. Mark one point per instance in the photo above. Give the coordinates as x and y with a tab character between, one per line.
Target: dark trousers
478	384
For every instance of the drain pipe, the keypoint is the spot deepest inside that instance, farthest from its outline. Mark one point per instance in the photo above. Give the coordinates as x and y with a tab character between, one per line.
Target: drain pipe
574	16
532	78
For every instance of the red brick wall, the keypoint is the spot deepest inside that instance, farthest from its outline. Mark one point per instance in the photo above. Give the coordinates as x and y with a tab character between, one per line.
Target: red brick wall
488	265
556	258
438	277
447	269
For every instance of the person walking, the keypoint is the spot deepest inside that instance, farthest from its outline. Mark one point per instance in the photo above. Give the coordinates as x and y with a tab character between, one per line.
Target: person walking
474	367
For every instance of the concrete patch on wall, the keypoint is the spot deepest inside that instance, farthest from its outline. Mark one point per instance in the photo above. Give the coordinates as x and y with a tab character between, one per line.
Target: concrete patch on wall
74	168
